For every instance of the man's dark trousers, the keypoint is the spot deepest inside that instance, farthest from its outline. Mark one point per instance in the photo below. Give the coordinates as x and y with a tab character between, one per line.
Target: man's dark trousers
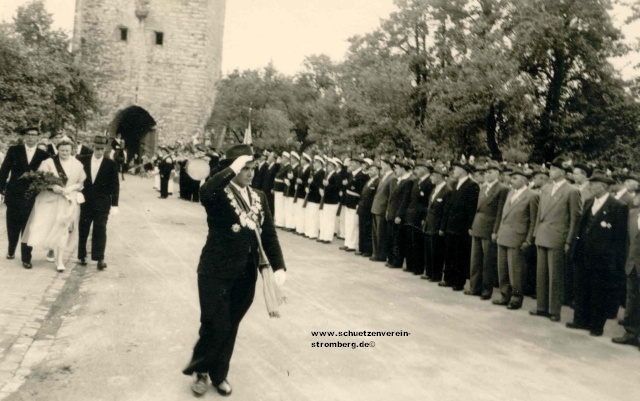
223	304
17	217
416	251
381	238
365	233
434	254
99	219
164	186
457	259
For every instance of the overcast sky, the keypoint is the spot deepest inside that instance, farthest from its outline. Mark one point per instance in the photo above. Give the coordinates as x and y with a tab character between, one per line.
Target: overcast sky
285	31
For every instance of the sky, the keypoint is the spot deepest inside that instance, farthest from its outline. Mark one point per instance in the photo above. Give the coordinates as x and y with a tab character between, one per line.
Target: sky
285	31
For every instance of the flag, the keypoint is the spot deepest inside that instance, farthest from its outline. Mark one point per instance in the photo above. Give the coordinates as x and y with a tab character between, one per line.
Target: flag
247	135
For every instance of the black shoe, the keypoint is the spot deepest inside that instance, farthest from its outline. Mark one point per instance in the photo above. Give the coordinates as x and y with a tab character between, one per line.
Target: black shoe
417	273
555	318
101	265
27	265
350	250
375	259
358	253
82	261
576	326
456	288
224	392
343	248
469	292
200	386
595	333
425	277
514	305
485	297
366	255
626	340
500	302
539	313
444	284
10	257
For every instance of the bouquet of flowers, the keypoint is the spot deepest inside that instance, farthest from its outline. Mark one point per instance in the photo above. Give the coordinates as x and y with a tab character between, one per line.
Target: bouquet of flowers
40	181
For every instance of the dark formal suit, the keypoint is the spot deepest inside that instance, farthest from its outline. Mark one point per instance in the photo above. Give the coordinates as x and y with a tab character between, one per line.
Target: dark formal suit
435	222
600	254
381	230
100	195
166	166
484	252
632	272
365	217
397	209
458	221
227	273
83	151
185	181
259	175
18	207
517	227
416	214
353	192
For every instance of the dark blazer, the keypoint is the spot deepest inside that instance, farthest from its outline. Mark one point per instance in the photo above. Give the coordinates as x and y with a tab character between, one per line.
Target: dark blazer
280	185
268	180
105	191
381	198
303	177
489	211
368	193
419	201
225	253
518	219
259	175
602	239
84	151
462	208
437	211
314	187
332	190
399	199
354	189
15	163
633	253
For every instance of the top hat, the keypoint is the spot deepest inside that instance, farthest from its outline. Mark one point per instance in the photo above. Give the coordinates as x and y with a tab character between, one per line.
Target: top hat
601	176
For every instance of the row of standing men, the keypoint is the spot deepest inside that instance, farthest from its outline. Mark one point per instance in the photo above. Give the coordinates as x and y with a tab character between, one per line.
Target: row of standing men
558	234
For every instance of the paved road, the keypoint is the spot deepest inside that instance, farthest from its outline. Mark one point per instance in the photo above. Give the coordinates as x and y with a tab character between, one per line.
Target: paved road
129	330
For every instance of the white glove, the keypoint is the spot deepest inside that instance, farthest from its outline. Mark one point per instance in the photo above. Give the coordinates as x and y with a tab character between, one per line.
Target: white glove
239	163
114	210
280	276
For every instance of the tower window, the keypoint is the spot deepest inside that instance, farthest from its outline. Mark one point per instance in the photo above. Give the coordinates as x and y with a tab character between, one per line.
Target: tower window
159	38
124	32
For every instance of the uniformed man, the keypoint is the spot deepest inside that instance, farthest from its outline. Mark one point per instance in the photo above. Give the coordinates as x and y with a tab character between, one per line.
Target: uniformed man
290	192
435	224
280	187
365	217
397	212
330	201
165	168
269	179
416	214
313	198
301	193
353	190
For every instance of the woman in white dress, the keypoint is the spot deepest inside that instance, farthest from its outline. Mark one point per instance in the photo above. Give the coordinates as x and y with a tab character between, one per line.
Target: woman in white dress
53	223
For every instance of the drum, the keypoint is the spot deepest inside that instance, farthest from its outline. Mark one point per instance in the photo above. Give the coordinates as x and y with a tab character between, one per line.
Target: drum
198	169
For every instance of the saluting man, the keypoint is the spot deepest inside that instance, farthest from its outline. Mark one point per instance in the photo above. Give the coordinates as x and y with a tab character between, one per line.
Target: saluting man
228	267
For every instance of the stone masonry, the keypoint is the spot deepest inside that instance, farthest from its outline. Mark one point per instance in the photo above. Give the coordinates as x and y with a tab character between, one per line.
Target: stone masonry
174	81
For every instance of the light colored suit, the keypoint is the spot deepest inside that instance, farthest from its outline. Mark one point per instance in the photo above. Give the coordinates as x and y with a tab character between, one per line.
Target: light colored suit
557	225
517	226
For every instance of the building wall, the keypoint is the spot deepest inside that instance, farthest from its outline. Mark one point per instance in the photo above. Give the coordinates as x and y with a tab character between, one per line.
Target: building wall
174	82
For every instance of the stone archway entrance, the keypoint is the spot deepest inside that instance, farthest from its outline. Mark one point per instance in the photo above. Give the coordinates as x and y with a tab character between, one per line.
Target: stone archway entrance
137	127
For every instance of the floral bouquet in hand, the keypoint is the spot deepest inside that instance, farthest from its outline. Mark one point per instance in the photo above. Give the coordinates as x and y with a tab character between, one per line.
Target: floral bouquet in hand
40	181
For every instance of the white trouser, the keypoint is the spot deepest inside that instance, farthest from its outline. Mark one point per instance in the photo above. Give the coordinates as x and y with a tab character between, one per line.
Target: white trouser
341	227
312	220
289	213
170	186
156	178
328	222
300	221
278	205
351	228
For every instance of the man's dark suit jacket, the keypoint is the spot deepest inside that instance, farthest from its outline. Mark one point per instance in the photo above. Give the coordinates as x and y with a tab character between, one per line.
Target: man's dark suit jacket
105	191
84	151
489	211
332	191
268	181
314	187
419	201
462	208
399	200
225	253
354	188
368	194
437	211
602	240
259	175
51	151
16	163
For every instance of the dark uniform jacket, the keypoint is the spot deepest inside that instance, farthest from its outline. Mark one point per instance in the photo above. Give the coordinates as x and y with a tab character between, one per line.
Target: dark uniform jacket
489	211
16	163
437	211
302	182
104	192
354	188
279	184
84	151
419	201
368	194
399	199
292	176
259	175
229	244
314	187
462	208
268	180
332	190
165	166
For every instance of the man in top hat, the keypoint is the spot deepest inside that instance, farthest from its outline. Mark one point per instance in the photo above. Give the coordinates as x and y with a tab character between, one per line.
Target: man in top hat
313	198
290	192
515	237
484	233
365	217
435	224
629	188
380	229
280	187
600	255
165	167
302	182
101	192
581	173
353	190
416	214
228	267
330	201
397	212
20	159
269	179
458	222
555	234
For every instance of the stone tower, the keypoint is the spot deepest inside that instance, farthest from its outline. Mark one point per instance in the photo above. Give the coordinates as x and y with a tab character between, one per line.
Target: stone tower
157	61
